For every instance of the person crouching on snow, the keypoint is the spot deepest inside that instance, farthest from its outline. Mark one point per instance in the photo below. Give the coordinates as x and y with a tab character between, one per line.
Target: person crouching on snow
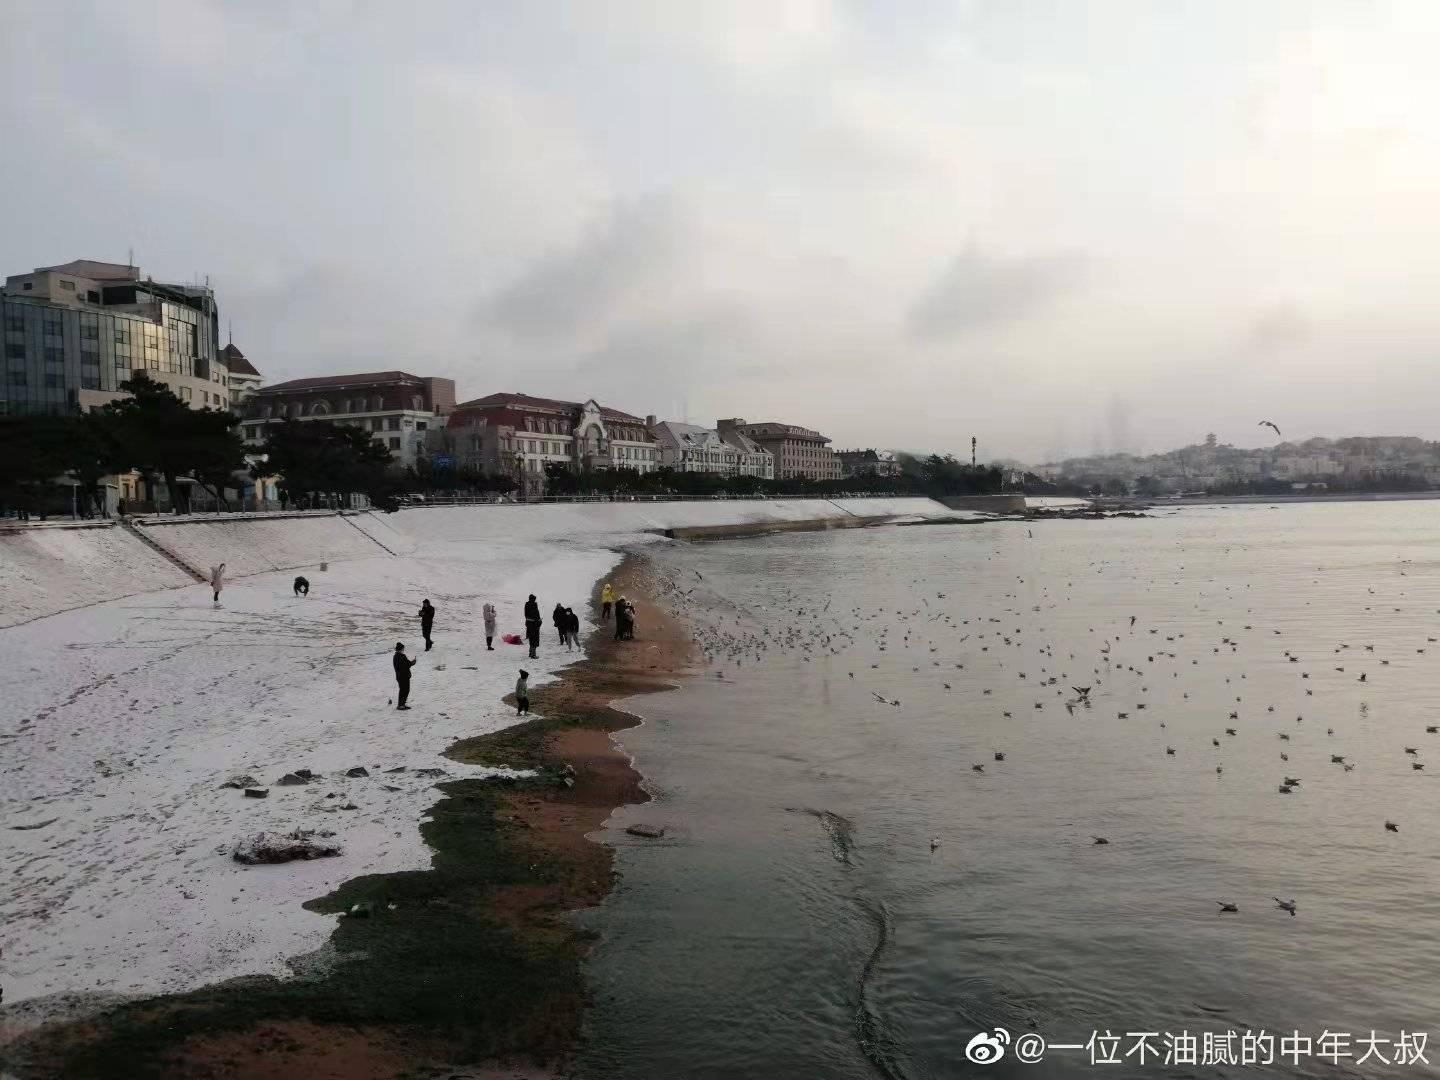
302	587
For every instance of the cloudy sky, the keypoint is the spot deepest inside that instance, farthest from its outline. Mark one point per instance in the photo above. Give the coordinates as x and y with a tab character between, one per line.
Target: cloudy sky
1061	226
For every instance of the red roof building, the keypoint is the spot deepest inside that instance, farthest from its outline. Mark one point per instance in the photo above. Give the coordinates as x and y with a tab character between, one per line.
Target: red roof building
517	435
399	408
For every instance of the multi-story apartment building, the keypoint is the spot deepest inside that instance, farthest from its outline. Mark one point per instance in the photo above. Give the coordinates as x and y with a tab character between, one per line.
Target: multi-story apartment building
798	451
244	378
74	332
690	448
868	463
397	407
517	435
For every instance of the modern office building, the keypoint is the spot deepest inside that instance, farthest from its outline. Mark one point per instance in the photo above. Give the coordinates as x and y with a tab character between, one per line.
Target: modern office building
798	451
244	378
868	463
74	332
397	407
517	435
725	452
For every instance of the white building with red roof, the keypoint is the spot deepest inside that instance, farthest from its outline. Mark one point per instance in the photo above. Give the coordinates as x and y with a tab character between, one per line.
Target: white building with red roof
398	408
517	435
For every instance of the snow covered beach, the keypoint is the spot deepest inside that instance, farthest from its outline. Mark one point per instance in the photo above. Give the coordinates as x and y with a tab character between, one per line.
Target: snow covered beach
126	717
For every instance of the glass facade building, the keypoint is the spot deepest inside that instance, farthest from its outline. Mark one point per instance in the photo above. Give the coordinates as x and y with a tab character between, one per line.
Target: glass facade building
74	340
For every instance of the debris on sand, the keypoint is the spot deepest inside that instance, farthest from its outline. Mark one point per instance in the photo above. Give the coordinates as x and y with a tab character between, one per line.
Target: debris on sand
270	847
649	832
241	780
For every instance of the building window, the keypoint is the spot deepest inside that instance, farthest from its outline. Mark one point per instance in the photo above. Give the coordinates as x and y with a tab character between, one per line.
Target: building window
17	378
68	286
15	350
90	328
90	377
394	442
185	394
394	423
29	285
54	355
54	327
420	425
91	296
15	322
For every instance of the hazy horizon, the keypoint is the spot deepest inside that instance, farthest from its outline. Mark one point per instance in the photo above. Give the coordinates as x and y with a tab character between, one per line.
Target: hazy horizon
1063	228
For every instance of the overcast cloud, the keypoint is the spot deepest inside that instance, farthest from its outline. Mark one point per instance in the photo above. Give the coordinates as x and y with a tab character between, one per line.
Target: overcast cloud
1060	227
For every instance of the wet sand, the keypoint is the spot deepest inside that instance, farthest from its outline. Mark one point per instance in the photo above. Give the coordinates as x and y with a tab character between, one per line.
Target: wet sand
557	821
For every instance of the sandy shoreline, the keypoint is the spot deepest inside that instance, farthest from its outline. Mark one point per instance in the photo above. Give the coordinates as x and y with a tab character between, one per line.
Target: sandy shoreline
467	968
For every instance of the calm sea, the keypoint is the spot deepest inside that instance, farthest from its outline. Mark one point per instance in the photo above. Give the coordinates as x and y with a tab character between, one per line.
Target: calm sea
840	894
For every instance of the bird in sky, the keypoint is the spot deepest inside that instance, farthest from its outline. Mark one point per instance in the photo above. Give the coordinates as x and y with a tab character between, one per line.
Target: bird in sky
1271	424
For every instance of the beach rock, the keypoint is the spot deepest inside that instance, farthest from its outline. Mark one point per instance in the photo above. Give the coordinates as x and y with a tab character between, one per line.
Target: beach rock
431	772
358	770
241	780
397	768
649	832
290	779
257	792
305	774
271	847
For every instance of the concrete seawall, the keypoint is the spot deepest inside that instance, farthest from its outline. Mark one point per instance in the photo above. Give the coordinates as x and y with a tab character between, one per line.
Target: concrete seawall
51	568
992	504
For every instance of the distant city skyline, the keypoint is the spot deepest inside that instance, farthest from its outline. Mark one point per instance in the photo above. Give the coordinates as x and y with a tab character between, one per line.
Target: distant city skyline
1062	228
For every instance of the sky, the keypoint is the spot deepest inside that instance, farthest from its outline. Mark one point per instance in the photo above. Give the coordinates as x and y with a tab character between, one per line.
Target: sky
1061	227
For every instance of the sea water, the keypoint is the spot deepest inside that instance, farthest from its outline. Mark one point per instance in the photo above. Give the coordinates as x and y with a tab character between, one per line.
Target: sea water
841	894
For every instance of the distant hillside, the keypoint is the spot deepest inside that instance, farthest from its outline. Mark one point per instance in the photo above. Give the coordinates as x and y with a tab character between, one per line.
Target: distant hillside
1361	463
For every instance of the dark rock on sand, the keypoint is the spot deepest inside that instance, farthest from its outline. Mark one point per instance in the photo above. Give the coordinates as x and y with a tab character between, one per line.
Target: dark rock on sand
269	847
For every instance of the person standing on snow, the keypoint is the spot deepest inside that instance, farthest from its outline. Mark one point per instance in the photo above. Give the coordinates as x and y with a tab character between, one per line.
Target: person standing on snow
572	628
302	586
607	599
522	694
217	581
427	620
403	664
561	623
532	624
489	612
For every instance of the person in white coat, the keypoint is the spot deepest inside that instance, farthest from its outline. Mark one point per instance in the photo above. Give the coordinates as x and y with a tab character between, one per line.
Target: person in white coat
217	581
489	612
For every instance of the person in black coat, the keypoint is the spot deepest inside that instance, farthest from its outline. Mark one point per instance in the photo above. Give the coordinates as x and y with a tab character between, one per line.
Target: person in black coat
572	626
532	624
302	587
427	620
403	664
562	624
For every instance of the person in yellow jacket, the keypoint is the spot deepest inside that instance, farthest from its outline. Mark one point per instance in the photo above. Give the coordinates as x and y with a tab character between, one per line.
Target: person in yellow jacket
607	599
